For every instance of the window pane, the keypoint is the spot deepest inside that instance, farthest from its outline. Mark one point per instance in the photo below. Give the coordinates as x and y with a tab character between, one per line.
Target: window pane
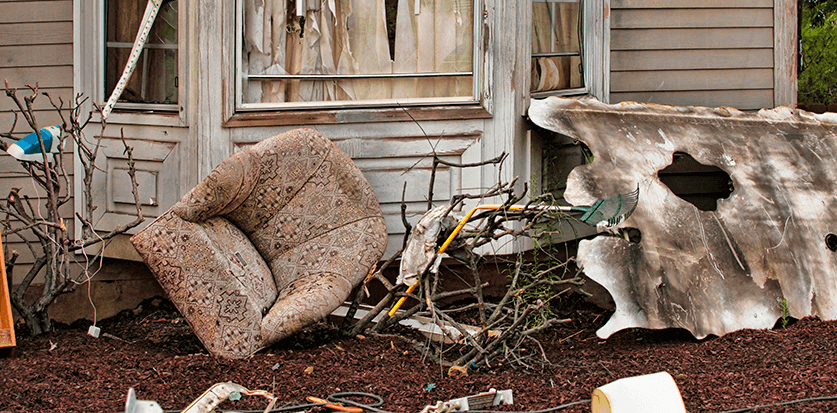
556	73
155	77
554	27
556	48
349	44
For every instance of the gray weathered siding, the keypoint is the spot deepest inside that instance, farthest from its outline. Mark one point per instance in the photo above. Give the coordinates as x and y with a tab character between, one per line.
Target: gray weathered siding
36	47
693	52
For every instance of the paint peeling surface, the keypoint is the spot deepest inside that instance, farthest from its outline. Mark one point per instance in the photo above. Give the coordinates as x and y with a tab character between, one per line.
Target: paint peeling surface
711	272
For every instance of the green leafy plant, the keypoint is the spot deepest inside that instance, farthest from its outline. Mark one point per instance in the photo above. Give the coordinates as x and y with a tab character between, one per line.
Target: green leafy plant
818	68
784	310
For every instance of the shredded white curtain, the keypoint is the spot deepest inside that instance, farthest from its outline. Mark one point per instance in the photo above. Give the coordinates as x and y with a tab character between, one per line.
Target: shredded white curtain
350	37
555	30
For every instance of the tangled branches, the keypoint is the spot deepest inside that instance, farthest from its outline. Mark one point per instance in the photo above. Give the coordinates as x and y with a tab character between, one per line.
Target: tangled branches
482	329
36	221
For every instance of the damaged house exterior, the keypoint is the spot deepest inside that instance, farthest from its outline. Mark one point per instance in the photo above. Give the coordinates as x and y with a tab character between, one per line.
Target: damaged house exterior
389	82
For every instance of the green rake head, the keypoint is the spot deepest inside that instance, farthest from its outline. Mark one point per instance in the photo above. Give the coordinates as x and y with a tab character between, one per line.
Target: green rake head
608	213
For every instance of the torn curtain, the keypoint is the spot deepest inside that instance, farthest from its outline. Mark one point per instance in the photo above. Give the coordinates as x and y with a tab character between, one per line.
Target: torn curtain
350	37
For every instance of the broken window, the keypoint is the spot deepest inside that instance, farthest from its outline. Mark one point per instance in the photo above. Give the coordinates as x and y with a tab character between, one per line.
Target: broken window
355	52
556	48
155	79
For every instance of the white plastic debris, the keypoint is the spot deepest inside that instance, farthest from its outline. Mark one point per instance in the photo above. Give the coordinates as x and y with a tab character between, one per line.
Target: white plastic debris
650	393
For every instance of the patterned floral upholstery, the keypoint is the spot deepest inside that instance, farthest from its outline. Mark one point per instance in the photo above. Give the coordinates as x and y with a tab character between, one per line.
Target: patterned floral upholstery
274	239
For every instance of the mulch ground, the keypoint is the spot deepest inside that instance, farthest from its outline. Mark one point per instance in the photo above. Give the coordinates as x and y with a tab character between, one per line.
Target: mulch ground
154	351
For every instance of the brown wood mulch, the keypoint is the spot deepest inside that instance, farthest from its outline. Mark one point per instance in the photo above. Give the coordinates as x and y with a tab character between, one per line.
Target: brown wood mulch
154	351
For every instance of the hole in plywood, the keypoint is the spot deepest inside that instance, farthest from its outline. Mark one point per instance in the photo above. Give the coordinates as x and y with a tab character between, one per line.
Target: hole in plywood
633	235
831	242
699	184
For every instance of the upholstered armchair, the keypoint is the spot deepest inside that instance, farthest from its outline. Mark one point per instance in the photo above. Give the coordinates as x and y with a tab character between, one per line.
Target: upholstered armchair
273	240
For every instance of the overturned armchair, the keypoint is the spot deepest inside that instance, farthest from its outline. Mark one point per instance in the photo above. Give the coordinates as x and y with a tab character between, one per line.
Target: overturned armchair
273	240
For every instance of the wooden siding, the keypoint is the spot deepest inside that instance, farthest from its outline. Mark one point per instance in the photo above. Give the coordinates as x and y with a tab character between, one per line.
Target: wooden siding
36	47
693	52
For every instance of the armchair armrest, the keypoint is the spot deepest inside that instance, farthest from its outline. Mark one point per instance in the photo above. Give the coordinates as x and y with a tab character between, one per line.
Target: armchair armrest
223	190
214	276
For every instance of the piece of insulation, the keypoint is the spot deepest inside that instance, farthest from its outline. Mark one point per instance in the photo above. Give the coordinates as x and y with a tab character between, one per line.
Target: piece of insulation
710	272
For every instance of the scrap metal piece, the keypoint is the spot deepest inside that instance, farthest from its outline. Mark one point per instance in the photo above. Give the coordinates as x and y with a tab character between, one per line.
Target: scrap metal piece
764	251
132	405
206	403
476	402
482	401
219	392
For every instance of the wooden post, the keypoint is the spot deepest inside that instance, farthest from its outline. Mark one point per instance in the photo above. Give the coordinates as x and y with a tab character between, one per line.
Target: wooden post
7	327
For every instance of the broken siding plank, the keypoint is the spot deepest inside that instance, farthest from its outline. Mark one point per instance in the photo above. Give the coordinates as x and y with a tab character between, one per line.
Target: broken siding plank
740	99
667	80
36	33
682	18
648	60
36	55
670	4
665	39
31	11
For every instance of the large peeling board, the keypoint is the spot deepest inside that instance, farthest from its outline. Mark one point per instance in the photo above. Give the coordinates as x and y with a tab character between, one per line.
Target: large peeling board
711	272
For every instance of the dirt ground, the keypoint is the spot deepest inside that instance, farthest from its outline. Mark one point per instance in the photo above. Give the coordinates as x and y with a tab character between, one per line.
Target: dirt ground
154	351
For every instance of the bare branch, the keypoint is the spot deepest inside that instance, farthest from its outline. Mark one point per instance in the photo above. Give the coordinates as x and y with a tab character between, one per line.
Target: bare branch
52	247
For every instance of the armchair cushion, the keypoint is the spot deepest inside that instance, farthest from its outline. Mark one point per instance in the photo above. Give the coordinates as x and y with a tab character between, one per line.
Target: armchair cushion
302	206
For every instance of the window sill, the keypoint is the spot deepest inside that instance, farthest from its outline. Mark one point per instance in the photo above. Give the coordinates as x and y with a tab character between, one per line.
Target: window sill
151	118
367	115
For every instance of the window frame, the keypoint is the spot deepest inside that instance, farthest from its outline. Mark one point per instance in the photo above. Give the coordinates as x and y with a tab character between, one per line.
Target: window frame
89	60
136	106
582	22
327	108
595	53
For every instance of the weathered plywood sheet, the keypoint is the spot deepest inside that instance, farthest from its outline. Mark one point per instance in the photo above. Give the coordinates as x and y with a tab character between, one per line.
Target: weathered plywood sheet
710	272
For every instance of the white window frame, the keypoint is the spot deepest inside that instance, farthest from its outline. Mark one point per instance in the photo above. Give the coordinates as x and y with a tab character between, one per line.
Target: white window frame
595	50
476	73
567	91
89	62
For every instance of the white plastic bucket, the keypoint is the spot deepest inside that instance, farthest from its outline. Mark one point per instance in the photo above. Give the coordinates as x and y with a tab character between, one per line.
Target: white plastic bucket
650	393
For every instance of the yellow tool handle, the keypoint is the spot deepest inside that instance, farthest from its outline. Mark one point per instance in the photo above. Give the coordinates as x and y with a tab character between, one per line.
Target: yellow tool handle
442	249
401	300
456	232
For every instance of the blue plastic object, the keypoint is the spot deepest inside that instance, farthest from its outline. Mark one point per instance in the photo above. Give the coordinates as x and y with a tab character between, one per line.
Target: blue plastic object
29	149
